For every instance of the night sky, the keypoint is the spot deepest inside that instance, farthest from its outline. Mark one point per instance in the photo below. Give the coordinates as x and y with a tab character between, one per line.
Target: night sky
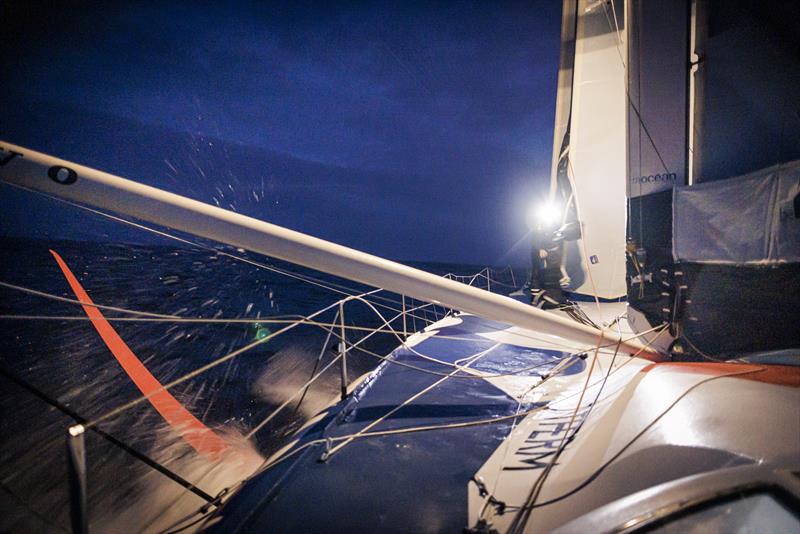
416	131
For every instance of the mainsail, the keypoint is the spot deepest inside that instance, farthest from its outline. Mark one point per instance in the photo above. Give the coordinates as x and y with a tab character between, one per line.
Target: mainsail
713	231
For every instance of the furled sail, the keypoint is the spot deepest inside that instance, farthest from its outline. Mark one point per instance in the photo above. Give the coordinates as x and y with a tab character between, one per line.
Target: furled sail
589	165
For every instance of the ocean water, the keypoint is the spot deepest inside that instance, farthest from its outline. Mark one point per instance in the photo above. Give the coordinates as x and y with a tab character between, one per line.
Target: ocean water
51	347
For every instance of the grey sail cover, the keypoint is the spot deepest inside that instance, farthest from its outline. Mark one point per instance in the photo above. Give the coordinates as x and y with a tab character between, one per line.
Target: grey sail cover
747	219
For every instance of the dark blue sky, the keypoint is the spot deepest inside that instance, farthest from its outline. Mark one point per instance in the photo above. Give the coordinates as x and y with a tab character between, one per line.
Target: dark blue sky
414	131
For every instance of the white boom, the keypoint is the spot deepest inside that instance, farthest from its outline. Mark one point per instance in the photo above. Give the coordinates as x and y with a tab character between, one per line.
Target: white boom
40	172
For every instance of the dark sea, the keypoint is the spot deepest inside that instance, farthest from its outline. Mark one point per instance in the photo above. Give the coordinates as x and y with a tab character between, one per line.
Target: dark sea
53	362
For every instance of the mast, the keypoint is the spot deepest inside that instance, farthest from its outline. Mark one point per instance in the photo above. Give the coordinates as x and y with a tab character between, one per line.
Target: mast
698	26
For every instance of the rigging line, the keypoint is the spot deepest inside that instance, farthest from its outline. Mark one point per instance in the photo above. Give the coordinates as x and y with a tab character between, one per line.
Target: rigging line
380	433
428	427
618	33
700	352
24	384
145	316
410	310
198	320
507	447
570	396
523	334
403	342
344	290
74	301
577	314
389	330
210	365
582	313
499	283
522	517
472	376
406	430
176	319
156	317
562	446
639	118
472	359
647	427
319	359
640	123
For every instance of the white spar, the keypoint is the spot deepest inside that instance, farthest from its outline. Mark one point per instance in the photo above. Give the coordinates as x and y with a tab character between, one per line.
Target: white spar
64	179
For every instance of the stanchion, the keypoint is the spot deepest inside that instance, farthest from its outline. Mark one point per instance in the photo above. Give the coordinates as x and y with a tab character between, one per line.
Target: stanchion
405	327
343	351
76	471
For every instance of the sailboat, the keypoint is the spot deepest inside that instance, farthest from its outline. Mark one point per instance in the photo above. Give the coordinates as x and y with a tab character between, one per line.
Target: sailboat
648	401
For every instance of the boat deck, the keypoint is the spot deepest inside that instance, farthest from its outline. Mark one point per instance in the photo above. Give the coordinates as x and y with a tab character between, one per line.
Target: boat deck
401	451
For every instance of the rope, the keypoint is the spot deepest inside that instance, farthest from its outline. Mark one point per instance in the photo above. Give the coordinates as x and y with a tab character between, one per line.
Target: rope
206	367
480	376
108	437
523	516
157	317
319	359
647	427
422	428
394	410
591	407
395	431
73	301
231	355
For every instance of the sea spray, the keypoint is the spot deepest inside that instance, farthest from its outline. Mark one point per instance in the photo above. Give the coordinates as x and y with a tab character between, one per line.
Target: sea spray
154	503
